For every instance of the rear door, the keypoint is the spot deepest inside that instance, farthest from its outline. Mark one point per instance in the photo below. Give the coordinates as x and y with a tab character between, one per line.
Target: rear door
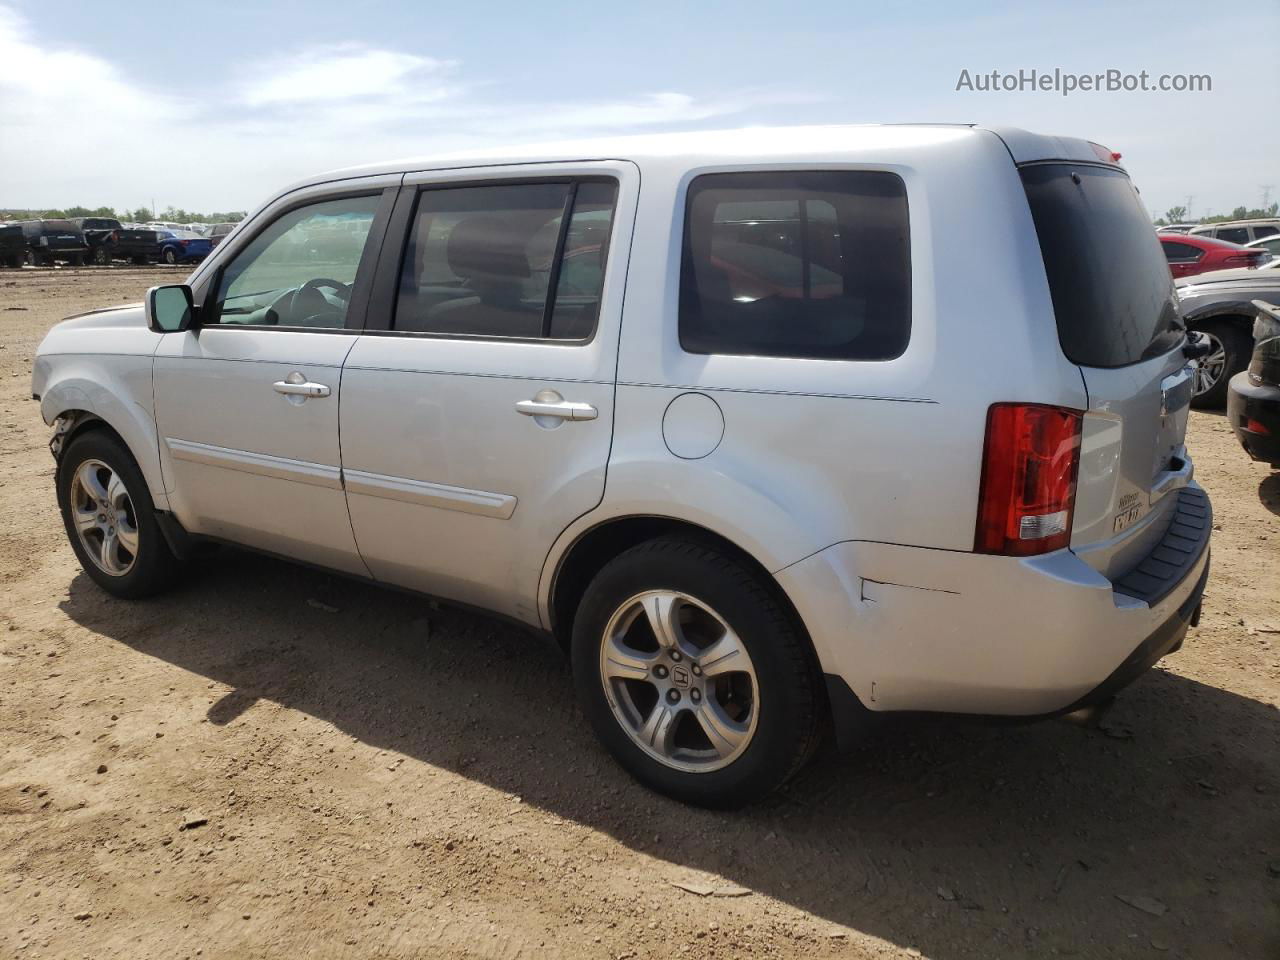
477	409
1117	319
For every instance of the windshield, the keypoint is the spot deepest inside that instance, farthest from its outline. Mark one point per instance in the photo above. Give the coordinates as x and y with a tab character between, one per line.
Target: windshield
1112	292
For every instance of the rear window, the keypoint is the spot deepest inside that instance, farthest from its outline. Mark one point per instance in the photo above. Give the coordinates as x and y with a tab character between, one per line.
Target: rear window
1112	292
1233	234
811	264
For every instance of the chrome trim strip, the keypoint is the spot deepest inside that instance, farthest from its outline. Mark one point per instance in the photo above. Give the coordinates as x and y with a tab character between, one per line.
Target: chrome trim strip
422	493
281	468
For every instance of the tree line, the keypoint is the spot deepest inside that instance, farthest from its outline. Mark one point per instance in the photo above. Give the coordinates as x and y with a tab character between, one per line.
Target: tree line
140	215
1179	215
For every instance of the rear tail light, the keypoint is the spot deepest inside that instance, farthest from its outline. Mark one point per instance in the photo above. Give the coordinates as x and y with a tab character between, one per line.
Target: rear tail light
1028	492
1254	426
1251	259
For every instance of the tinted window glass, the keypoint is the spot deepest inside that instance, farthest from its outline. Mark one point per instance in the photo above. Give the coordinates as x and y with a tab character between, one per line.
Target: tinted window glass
1233	234
481	261
1260	232
299	271
1180	252
800	264
1112	292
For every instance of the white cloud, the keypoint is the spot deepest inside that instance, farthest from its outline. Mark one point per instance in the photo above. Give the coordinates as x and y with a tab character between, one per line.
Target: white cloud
331	74
78	129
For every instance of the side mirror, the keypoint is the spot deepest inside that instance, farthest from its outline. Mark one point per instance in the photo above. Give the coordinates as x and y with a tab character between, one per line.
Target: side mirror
170	309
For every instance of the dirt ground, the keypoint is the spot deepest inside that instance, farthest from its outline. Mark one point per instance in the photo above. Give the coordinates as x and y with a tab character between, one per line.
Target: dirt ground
275	762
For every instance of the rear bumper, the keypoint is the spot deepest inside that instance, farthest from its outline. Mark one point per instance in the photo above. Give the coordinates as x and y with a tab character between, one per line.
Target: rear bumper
911	629
1260	403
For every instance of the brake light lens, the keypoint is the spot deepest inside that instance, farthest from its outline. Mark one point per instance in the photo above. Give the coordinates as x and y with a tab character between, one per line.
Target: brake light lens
1029	465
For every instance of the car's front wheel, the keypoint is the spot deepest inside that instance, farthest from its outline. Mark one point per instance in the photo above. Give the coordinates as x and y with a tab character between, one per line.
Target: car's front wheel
110	519
102	256
1229	348
694	675
170	256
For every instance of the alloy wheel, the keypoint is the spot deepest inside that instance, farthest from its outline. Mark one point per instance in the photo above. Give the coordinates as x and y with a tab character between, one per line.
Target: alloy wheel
1210	367
104	519
679	681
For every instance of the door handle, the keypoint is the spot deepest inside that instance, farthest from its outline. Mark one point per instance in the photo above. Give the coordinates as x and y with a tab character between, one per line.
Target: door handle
548	403
296	385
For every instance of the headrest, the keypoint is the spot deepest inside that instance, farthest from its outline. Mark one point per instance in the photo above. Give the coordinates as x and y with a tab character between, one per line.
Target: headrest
488	246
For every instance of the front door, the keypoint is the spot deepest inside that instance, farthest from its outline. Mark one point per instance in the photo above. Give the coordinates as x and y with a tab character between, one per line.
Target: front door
247	403
476	422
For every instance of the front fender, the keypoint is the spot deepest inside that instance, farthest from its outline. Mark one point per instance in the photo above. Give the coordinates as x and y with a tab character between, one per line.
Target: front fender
1220	308
114	389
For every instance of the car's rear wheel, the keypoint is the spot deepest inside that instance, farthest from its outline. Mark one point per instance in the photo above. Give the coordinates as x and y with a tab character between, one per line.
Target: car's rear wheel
110	519
170	256
102	257
1229	350
693	674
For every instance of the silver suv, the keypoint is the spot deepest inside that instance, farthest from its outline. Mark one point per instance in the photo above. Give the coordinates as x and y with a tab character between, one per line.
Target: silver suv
772	430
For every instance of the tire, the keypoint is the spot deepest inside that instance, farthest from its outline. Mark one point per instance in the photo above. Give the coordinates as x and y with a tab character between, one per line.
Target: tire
170	256
102	257
148	565
1236	344
31	260
774	708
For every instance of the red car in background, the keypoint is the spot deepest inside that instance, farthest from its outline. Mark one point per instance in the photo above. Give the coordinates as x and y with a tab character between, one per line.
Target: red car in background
1189	254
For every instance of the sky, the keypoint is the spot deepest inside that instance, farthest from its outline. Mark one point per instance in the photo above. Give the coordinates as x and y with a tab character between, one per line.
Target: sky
215	106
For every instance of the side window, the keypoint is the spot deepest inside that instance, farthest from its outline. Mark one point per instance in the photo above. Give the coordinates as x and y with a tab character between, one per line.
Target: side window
502	260
1232	234
796	264
1176	252
300	270
1264	231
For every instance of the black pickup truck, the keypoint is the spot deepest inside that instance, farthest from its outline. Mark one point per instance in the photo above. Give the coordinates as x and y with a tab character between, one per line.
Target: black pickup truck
108	240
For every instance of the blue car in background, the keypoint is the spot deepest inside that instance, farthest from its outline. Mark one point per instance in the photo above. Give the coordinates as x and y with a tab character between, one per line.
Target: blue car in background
183	246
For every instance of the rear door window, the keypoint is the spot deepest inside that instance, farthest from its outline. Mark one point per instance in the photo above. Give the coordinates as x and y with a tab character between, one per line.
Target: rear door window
1112	292
1233	234
503	260
812	264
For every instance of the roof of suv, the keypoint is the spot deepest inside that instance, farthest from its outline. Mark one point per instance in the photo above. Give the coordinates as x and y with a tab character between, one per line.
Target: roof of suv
747	143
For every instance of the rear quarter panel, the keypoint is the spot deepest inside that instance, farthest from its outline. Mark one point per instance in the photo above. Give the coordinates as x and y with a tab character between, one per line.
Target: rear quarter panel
814	451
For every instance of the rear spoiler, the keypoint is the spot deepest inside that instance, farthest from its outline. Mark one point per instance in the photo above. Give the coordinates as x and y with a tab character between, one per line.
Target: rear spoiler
1027	147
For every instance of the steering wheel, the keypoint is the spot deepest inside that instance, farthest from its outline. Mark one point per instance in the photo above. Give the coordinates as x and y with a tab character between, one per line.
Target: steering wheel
306	304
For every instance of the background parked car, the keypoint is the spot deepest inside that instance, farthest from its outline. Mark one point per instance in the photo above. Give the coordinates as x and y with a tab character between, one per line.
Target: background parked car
1220	305
1176	228
52	240
13	245
182	246
109	240
1253	398
218	231
1270	244
1190	254
1237	231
